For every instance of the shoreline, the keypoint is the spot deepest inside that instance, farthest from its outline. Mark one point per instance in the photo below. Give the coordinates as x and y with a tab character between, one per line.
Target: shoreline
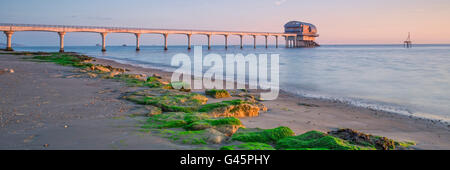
140	70
356	113
303	114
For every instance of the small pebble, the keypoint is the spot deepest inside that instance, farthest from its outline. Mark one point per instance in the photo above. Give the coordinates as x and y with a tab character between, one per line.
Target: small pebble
65	126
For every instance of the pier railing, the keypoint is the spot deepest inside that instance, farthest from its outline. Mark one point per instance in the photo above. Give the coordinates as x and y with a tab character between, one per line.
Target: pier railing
10	28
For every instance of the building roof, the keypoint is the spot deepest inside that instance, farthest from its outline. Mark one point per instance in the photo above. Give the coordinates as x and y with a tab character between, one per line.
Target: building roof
296	24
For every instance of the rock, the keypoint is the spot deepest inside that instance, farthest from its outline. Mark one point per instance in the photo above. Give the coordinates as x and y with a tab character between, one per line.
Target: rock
153	110
100	68
363	139
169	100
92	75
11	71
200	126
113	73
214	136
262	107
240	110
228	130
217	93
157	76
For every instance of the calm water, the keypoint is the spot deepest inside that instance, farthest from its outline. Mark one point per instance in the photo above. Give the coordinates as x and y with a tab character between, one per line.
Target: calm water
386	77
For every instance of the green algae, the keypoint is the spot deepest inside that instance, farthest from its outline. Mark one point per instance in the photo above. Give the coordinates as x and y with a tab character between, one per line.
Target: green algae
210	123
248	146
262	135
368	140
131	80
212	106
171	102
185	137
317	140
217	93
65	59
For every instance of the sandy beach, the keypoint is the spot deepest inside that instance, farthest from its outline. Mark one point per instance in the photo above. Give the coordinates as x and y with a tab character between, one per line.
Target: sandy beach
42	107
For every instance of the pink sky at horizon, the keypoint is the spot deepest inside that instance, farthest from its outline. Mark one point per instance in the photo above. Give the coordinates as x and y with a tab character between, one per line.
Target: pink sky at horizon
338	22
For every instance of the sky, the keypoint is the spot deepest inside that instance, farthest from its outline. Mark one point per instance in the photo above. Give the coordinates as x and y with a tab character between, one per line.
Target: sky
338	21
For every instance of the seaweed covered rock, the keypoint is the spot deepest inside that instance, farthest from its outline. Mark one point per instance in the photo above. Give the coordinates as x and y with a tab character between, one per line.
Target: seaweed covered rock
99	67
359	138
315	140
181	86
262	135
217	93
166	120
152	110
65	59
207	136
232	108
248	146
214	136
169	100
228	125
138	80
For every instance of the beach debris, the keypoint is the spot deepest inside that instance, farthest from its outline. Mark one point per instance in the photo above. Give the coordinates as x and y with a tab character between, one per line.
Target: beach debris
6	70
217	93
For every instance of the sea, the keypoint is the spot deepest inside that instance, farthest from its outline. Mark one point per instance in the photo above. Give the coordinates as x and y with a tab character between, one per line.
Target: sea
411	81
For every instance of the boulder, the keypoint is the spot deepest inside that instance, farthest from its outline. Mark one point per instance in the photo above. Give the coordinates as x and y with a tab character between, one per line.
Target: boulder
228	130
152	110
240	110
214	136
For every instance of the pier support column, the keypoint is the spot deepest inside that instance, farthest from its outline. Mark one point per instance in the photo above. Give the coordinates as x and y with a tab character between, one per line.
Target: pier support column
295	42
61	41
276	41
103	40
8	40
165	41
189	40
266	40
138	35
209	41
241	41
254	41
286	41
226	41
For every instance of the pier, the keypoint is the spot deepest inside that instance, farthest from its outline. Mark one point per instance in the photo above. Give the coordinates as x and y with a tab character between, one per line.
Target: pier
61	30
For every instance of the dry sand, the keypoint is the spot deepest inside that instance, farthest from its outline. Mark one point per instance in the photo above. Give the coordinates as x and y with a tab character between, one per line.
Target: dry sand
37	101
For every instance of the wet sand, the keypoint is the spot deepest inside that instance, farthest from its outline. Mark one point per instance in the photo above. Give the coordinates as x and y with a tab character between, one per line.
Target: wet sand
37	101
